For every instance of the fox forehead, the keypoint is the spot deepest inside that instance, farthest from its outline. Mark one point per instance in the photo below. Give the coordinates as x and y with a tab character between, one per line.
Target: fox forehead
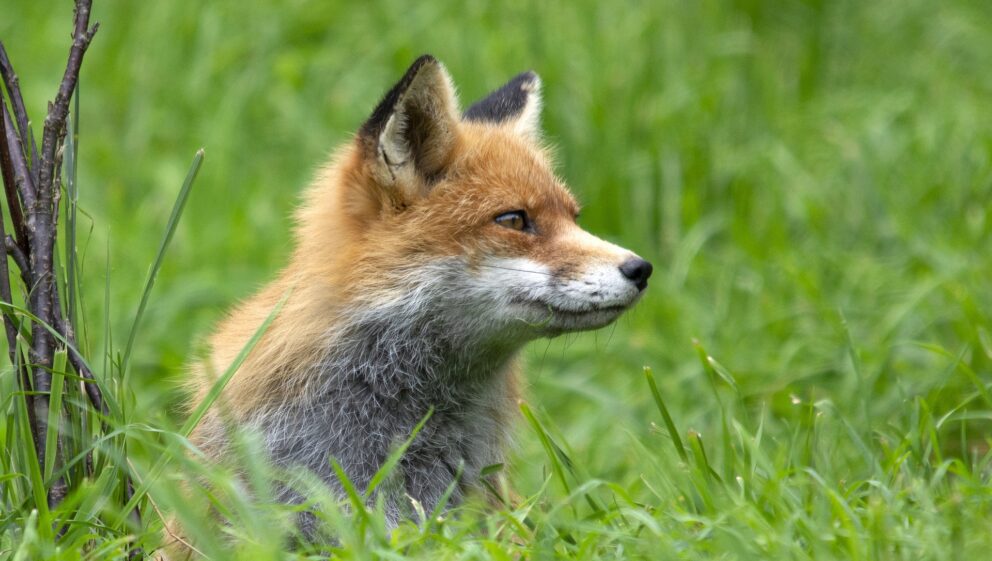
495	171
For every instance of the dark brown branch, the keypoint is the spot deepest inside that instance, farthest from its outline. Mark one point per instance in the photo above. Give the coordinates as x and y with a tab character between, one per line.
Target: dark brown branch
20	113
9	173
41	214
21	260
42	231
5	292
58	111
135	515
22	183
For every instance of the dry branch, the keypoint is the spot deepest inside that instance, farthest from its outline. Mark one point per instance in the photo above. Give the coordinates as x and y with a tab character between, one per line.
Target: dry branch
6	169
32	185
14	89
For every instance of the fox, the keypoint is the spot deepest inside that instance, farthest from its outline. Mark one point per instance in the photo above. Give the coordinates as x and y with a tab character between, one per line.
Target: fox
427	253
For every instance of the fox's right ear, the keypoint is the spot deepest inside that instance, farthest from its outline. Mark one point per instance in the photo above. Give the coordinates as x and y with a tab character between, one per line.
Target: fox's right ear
411	134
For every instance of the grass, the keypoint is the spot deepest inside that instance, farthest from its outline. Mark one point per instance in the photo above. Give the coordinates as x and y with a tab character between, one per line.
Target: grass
813	181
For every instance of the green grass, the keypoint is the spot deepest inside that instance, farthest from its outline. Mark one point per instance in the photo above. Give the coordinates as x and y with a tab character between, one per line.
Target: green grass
813	181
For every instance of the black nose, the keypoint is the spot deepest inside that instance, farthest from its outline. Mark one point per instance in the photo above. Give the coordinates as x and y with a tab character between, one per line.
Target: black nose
637	270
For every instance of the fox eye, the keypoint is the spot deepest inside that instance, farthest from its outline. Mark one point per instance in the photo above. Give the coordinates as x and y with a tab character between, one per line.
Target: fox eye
515	220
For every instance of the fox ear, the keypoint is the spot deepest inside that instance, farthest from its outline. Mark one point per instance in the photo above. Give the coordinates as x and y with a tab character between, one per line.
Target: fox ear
412	132
516	103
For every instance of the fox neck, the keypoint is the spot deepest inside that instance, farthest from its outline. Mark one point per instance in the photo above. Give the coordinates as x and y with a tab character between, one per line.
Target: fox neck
416	352
419	360
381	374
424	341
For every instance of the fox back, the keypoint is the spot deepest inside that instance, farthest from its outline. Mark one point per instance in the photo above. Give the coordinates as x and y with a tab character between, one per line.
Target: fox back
428	252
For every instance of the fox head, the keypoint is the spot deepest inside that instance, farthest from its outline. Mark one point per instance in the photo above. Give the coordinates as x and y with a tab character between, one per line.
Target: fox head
459	217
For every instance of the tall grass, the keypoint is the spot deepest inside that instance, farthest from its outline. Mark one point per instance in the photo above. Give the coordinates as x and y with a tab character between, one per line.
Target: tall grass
811	179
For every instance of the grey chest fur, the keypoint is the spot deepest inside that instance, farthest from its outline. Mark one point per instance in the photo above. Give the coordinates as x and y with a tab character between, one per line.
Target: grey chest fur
376	383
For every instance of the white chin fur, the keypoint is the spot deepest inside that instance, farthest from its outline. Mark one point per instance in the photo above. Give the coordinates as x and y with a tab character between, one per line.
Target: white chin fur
526	291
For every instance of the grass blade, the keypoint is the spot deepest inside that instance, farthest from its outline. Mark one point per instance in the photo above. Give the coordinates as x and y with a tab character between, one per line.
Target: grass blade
549	447
215	391
54	412
72	204
669	423
29	457
170	230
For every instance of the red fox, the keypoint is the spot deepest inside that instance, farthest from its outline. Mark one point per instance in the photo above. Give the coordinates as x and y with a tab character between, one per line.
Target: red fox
428	252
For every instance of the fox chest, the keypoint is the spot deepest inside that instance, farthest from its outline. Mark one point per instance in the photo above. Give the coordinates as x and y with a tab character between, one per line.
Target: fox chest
359	427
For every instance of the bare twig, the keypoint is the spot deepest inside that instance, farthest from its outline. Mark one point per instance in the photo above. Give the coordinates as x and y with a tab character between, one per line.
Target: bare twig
22	183
54	130
33	195
17	102
134	515
5	293
21	260
8	172
41	226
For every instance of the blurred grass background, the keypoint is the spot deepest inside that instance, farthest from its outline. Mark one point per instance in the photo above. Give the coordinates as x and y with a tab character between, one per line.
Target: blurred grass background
812	180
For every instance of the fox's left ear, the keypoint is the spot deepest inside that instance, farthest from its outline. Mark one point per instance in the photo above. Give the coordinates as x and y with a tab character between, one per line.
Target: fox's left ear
517	103
412	132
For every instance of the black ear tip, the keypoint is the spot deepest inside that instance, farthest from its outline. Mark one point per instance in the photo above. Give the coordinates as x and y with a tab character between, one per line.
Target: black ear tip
529	77
507	102
423	60
527	81
373	126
